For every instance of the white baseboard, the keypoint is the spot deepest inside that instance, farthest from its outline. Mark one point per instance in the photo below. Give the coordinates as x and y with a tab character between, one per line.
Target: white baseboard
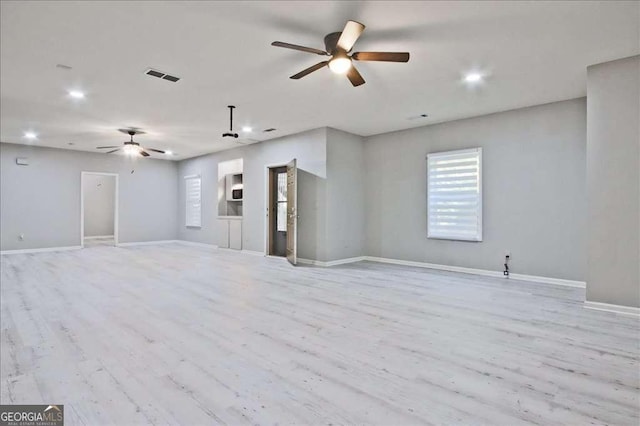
483	272
331	262
40	250
196	244
145	243
608	307
252	252
98	237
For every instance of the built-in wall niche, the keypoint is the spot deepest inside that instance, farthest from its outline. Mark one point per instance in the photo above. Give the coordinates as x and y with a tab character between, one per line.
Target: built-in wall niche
230	187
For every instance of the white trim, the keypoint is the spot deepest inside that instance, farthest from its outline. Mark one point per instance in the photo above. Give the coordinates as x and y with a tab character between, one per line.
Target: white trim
608	307
146	243
548	280
252	252
331	262
116	206
98	237
196	244
483	272
460	269
40	250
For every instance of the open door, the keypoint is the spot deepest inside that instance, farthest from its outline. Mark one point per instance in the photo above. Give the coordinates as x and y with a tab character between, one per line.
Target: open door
292	212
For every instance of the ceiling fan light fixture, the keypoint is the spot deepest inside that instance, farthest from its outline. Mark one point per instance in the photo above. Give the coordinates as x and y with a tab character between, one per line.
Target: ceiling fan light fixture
131	150
340	64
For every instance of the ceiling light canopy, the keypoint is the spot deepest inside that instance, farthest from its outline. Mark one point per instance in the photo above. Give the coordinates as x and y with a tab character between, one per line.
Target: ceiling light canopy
247	129
167	152
30	135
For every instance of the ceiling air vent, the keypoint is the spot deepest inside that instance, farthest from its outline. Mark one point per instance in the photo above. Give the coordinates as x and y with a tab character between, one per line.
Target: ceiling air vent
271	129
160	74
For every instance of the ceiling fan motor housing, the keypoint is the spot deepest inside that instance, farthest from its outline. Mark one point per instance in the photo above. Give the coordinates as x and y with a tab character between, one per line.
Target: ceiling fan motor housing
331	41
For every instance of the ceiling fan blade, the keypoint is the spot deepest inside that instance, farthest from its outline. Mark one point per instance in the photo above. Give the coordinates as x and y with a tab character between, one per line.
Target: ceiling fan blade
354	77
110	152
301	48
381	56
350	34
105	147
309	70
144	153
155	150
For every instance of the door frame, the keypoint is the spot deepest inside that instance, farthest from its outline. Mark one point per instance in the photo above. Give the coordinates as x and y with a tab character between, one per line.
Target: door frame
115	204
266	204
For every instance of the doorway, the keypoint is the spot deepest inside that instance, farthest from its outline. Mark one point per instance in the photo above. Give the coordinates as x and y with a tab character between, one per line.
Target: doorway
98	209
277	234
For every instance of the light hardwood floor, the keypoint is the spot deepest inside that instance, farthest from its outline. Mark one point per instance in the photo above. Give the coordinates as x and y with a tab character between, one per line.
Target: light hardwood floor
176	334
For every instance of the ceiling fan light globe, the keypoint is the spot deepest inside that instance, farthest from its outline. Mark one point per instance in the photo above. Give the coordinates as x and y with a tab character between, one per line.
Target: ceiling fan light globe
131	150
340	65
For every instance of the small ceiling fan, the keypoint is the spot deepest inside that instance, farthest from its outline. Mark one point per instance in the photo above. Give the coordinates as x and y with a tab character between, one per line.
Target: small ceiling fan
338	45
130	147
234	135
230	133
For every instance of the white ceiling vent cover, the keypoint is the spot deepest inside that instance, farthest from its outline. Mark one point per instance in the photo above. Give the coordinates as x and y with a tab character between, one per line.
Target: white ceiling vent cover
161	75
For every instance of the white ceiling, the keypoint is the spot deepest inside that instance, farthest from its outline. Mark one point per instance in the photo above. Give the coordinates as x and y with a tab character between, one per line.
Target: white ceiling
533	53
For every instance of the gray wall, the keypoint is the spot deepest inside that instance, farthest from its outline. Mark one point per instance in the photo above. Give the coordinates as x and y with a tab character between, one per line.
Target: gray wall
613	182
99	205
345	206
309	148
42	200
533	189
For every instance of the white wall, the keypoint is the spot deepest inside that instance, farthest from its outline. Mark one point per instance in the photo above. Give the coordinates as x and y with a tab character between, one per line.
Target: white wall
309	148
613	171
42	200
99	205
533	189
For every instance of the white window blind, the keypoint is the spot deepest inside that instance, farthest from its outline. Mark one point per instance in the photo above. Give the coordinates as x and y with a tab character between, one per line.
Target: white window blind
454	195
193	212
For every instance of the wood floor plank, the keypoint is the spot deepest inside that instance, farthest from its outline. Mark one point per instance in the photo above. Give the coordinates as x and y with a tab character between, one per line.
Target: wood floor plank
177	334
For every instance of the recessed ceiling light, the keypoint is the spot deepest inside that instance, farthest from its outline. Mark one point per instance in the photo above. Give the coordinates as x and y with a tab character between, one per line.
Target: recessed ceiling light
167	152
247	129
76	94
473	77
30	135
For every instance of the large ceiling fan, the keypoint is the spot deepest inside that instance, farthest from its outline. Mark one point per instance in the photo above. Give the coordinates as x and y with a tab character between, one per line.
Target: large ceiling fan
130	147
338	45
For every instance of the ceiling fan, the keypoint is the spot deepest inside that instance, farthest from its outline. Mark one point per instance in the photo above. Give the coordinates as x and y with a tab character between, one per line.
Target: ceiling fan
338	45
130	147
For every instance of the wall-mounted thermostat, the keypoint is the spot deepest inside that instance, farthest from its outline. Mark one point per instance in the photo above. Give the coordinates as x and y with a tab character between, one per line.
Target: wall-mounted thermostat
22	161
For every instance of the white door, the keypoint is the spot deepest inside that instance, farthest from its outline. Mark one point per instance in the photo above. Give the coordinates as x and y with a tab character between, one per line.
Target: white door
292	212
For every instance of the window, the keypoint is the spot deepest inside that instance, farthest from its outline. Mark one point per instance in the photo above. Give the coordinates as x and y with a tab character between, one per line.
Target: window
454	195
193	196
281	202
